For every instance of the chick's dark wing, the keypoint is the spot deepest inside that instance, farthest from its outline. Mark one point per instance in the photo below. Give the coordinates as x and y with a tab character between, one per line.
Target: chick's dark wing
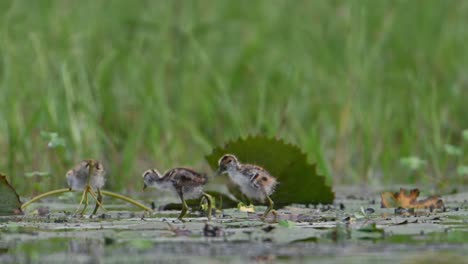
189	177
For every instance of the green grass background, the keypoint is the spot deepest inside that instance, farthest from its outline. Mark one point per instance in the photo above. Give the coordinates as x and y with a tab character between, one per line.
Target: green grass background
138	84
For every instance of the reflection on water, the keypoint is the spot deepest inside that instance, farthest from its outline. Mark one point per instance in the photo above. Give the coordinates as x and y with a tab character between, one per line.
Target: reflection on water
92	249
53	250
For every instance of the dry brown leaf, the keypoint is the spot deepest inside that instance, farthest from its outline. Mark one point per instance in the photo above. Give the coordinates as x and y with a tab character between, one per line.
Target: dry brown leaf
405	199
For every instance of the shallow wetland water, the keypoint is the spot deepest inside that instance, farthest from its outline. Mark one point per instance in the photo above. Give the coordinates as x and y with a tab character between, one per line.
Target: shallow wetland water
344	232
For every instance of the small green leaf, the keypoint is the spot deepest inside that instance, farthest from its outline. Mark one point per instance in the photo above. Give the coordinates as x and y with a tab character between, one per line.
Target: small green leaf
363	211
286	223
53	138
413	162
453	150
246	208
462	170
359	215
298	179
36	173
465	134
10	203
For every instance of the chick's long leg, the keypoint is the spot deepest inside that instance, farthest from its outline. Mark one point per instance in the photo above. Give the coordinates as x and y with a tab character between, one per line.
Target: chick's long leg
271	204
98	200
184	210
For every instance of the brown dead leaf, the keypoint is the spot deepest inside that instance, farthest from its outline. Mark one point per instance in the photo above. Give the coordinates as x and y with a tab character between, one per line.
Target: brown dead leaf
179	231
405	199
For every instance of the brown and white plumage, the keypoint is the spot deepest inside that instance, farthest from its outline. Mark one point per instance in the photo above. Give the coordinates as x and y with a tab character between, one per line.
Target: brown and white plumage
88	176
183	181
254	181
186	183
90	172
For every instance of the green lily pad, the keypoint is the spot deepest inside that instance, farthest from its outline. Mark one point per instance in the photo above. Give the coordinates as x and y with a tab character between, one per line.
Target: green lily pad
298	179
10	203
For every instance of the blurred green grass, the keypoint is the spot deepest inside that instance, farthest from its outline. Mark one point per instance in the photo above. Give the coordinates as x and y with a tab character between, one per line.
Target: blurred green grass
357	84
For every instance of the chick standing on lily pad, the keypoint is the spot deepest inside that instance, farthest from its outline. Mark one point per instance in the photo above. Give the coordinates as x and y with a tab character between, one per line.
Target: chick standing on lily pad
186	183
87	176
254	181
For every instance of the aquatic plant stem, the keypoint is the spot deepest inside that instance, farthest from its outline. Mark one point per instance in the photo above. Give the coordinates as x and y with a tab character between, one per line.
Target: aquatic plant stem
97	199
85	192
39	197
127	199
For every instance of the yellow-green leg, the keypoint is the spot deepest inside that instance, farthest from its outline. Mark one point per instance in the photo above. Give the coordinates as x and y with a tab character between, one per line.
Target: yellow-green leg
270	207
209	200
185	208
98	201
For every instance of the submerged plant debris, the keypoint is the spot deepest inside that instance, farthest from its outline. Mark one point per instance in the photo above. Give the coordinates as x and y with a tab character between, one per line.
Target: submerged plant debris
343	232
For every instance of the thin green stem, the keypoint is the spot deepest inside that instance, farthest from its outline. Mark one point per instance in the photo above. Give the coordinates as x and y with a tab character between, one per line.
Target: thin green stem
83	197
64	190
127	199
39	197
97	199
86	201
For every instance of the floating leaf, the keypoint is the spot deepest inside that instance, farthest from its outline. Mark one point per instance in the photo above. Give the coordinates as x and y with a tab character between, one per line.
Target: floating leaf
286	223
246	208
405	199
298	180
10	203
